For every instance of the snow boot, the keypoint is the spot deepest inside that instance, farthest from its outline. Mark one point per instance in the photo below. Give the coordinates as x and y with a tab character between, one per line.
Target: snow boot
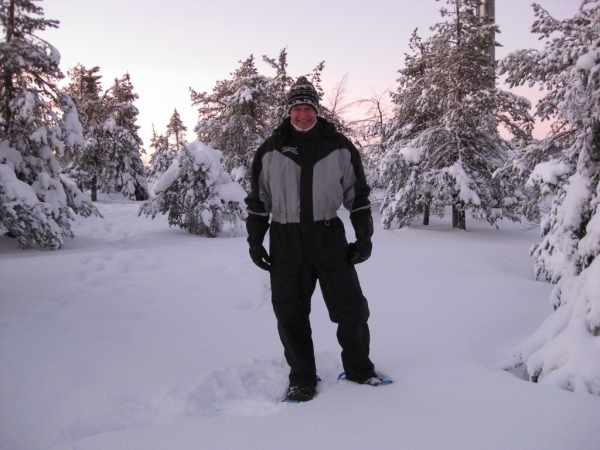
297	394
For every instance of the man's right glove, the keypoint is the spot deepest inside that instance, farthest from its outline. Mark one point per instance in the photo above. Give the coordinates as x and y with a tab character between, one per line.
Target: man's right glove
260	257
362	222
257	226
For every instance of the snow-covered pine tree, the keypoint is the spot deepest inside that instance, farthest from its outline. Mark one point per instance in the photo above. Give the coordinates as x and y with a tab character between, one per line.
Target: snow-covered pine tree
161	159
443	144
84	163
109	160
565	350
123	169
176	129
37	123
234	118
196	194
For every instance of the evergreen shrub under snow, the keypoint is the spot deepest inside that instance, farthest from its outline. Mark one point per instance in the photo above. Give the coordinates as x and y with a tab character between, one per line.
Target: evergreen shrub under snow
196	194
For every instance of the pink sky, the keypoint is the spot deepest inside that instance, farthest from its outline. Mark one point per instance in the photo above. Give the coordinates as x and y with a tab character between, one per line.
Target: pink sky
170	46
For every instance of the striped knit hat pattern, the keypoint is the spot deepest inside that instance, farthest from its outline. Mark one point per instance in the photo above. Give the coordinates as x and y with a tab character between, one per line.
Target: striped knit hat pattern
302	92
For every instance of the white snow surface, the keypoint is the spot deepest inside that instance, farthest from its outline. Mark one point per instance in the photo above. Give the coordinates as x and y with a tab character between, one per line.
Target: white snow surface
140	336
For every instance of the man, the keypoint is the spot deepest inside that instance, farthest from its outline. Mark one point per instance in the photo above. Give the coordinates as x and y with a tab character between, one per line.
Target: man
301	175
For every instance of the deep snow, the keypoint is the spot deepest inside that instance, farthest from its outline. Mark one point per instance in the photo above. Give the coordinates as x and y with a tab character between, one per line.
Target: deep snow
140	336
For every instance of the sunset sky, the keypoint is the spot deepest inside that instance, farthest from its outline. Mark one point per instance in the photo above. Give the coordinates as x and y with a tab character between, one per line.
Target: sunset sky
170	46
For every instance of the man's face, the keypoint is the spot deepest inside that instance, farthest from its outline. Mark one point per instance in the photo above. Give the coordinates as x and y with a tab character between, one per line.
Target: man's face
303	116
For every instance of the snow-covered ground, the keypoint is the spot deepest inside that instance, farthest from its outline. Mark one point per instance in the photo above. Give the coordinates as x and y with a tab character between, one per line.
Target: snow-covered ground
140	336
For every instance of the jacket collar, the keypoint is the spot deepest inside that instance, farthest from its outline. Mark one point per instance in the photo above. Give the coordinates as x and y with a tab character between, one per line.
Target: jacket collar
324	128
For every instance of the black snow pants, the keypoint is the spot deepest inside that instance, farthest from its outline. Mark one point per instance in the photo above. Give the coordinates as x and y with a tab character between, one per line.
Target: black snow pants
301	254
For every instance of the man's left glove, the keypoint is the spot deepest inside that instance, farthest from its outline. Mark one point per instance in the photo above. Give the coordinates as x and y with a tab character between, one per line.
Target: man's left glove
257	226
362	221
360	251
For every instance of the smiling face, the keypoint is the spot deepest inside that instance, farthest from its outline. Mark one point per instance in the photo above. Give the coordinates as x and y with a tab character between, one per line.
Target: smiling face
303	116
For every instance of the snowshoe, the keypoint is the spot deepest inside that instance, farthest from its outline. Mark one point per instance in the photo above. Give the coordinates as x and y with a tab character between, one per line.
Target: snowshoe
373	381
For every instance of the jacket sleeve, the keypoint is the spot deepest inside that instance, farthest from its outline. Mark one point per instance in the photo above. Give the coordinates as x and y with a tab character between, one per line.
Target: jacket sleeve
258	200
357	191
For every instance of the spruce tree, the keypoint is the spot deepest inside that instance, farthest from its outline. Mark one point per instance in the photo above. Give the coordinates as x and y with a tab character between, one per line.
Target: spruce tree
566	164
443	144
38	122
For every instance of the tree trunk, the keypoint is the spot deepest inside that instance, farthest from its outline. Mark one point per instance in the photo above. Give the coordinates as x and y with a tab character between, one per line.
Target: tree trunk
488	9
462	220
10	26
458	217
94	188
454	217
8	82
426	215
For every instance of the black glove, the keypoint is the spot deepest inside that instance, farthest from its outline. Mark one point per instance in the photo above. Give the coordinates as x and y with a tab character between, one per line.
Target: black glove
360	251
362	221
257	226
260	257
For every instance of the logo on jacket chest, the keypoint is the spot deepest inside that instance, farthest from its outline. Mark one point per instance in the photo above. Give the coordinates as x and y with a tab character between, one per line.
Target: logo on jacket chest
286	149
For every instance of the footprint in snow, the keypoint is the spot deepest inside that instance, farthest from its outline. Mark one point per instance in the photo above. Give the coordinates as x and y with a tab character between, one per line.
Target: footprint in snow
253	389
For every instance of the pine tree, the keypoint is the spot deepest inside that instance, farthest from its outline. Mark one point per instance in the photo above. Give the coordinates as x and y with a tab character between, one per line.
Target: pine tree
196	194
176	129
443	145
161	159
37	123
243	111
278	88
86	161
234	118
109	160
123	170
566	164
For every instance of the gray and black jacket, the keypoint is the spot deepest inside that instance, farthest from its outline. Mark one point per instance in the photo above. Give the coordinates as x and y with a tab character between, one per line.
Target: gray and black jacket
300	180
306	176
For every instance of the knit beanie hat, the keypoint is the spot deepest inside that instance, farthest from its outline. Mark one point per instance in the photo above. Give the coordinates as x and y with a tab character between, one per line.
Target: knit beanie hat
302	92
